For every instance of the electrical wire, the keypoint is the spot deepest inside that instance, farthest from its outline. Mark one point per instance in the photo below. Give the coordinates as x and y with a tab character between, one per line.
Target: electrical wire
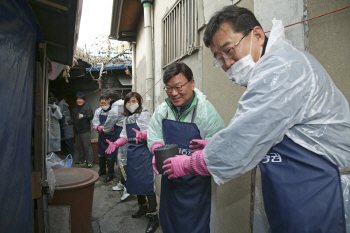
188	52
314	17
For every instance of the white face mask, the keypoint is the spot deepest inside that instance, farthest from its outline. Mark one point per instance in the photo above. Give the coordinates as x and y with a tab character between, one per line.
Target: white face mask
105	107
239	72
132	108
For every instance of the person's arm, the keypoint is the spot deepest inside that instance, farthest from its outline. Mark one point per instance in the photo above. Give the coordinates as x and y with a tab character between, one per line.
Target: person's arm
123	133
155	131
143	121
74	116
111	119
89	113
96	119
57	113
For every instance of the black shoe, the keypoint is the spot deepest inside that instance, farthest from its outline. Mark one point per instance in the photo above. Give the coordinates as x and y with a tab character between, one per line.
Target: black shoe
80	163
101	173
108	178
142	211
153	223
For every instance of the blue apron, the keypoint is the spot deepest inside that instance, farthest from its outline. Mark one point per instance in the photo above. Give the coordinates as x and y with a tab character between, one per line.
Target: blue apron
139	166
111	136
302	191
185	202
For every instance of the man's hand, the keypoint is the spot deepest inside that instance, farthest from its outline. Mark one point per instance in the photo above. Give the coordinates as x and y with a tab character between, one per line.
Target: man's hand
178	166
64	125
98	129
154	165
197	144
154	146
79	116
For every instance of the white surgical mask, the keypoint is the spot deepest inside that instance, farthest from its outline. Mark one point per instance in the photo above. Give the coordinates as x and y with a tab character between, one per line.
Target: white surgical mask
239	72
105	107
132	108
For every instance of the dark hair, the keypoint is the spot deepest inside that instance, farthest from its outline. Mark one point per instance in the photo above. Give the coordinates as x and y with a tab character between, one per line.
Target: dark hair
127	98
113	94
241	20
80	96
103	97
174	69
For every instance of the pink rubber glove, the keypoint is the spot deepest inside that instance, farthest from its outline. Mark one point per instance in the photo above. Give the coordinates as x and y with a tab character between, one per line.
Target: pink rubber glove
113	145
140	135
178	166
100	129
183	165
154	146
198	144
96	128
154	166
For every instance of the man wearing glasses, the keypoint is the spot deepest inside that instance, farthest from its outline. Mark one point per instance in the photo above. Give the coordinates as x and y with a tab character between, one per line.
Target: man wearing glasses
292	121
186	115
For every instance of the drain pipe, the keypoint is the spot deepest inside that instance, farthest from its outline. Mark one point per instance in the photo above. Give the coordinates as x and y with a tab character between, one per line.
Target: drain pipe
149	55
133	72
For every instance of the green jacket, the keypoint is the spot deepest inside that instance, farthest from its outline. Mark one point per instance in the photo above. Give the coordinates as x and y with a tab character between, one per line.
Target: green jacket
207	119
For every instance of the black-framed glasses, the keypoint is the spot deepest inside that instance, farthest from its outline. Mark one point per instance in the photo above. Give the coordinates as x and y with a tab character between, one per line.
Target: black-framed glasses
169	89
229	53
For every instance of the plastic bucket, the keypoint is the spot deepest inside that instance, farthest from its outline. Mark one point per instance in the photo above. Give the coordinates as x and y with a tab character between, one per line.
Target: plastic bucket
75	187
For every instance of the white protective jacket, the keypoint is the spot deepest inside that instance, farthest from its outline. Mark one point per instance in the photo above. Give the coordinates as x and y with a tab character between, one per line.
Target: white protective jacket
289	93
115	117
54	131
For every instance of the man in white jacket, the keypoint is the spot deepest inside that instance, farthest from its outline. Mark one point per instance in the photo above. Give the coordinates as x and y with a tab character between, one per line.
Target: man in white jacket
292	121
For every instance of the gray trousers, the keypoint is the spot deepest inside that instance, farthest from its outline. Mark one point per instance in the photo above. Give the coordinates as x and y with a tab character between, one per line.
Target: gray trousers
83	147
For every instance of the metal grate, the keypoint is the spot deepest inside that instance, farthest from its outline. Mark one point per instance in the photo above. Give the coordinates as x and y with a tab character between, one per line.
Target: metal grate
180	30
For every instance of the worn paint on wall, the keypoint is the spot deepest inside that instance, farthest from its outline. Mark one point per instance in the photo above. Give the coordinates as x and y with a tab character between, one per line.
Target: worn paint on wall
289	11
329	40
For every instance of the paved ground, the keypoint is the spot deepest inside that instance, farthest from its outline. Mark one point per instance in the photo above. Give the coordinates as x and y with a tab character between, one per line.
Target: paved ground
109	214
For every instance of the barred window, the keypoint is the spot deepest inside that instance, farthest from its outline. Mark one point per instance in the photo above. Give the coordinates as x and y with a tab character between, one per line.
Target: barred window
180	30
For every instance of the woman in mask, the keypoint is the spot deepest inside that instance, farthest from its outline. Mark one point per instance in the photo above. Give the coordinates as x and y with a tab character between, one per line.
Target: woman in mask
98	122
139	169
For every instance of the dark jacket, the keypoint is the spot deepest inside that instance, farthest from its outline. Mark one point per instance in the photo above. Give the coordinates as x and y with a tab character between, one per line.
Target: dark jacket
82	125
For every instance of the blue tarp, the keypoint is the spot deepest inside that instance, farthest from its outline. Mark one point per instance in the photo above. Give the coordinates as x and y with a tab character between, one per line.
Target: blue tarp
19	32
109	67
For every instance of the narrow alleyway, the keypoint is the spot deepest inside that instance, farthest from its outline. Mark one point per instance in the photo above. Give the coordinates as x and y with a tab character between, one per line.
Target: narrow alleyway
109	214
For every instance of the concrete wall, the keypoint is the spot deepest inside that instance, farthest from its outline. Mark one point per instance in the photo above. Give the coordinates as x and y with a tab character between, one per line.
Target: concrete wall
329	40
